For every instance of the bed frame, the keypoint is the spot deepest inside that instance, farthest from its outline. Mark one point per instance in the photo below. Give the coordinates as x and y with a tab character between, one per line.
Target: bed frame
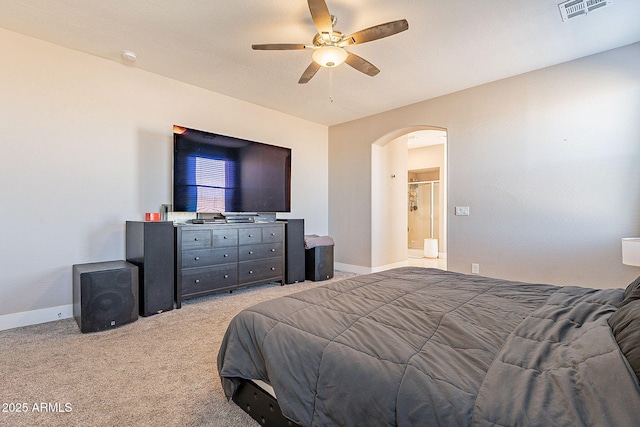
261	405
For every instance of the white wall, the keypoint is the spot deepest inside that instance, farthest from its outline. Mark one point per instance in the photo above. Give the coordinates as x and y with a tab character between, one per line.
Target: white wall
86	144
547	162
389	203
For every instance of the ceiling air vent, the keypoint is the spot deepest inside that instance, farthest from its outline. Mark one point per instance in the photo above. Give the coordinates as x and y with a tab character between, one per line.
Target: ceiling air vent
574	8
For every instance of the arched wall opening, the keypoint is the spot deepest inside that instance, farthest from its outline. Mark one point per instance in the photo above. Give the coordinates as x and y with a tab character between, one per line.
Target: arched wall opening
391	161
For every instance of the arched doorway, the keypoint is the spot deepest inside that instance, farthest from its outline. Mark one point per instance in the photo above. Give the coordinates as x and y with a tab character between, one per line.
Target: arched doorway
394	165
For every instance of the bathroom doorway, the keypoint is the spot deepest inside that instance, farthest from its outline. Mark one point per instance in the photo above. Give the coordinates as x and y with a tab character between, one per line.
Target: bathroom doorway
426	195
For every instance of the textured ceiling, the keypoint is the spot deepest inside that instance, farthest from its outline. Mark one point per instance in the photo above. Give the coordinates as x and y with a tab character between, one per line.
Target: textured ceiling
450	45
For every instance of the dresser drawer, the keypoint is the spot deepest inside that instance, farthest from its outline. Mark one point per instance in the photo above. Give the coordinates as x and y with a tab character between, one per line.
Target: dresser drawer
250	235
225	237
209	278
261	270
204	257
273	234
255	252
195	239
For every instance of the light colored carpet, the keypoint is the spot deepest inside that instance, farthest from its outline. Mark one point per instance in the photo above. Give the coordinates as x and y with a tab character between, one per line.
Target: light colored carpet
157	371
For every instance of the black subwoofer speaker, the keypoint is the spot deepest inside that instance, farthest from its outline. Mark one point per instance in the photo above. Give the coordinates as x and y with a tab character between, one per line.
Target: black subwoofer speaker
149	247
319	263
294	266
105	295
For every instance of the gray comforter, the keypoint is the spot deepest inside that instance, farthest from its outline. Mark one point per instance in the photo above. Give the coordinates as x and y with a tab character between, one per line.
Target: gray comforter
418	347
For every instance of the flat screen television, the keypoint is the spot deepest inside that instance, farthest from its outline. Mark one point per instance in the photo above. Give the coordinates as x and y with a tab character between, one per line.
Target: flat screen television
215	173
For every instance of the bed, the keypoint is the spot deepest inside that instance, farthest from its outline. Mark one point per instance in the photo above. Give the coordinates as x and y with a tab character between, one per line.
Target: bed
416	346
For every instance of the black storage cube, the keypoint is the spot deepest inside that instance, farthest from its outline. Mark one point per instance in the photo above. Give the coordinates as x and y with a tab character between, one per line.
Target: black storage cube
319	263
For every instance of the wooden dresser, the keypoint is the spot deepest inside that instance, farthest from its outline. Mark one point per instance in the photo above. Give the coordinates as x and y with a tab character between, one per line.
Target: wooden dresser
211	258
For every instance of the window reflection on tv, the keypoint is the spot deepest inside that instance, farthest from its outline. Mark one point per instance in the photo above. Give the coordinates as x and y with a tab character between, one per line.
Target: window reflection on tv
218	173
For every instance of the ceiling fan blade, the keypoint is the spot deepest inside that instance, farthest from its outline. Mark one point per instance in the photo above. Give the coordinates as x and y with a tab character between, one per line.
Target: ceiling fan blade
311	71
321	18
277	46
362	65
376	32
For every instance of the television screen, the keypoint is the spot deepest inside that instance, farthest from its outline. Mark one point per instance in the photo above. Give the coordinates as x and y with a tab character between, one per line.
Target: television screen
218	173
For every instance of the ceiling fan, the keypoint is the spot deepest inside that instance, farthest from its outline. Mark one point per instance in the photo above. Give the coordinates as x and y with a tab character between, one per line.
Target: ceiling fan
329	44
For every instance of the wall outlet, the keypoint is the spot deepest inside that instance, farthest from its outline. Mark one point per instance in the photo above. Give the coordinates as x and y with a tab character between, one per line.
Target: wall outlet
462	210
475	268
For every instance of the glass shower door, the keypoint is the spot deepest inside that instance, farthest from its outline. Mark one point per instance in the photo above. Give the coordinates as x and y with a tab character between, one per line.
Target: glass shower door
424	205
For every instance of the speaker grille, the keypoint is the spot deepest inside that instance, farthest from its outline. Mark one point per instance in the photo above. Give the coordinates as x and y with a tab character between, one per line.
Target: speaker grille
110	296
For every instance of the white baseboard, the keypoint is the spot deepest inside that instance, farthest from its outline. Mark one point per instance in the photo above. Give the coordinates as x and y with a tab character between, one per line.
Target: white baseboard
358	269
350	268
389	266
33	317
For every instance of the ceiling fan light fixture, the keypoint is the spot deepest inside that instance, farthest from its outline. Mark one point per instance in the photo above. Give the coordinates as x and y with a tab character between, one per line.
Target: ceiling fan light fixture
329	44
329	56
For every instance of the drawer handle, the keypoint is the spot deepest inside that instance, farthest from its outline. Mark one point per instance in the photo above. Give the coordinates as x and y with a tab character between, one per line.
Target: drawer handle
273	268
197	258
273	234
250	271
197	281
250	235
195	238
273	250
224	237
250	252
226	276
225	255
